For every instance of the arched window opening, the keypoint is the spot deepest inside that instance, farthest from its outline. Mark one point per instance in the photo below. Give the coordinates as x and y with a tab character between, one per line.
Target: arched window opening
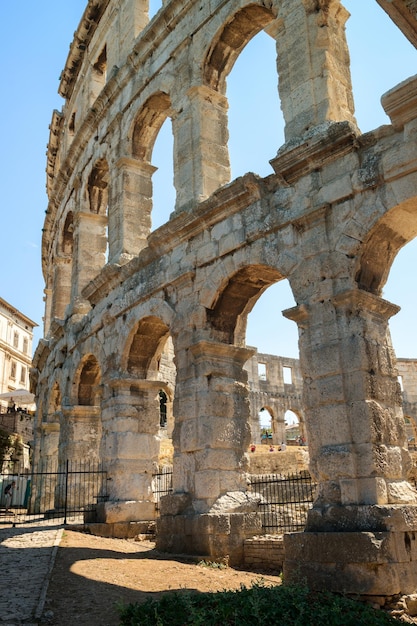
98	75
71	124
229	314
68	235
265	425
163	195
162	409
267	329
152	144
411	431
398	290
292	427
146	348
98	196
375	67
98	188
256	124
151	357
88	387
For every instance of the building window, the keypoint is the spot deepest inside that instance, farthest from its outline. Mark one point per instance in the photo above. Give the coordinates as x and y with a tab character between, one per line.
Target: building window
287	373
262	371
13	367
15	339
25	345
99	75
71	125
23	375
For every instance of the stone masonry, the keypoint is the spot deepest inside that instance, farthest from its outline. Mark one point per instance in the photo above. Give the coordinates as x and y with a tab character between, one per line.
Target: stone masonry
330	219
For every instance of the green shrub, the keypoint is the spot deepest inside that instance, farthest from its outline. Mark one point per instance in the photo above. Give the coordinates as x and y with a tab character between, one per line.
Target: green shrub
285	605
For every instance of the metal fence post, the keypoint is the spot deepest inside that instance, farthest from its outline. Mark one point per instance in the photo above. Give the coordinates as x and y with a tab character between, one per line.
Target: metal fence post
66	492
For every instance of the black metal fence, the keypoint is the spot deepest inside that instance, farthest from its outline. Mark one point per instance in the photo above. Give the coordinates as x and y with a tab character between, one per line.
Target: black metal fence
52	491
70	493
161	484
285	500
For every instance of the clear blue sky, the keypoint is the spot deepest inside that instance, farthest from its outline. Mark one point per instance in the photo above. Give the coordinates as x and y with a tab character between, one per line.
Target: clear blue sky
34	43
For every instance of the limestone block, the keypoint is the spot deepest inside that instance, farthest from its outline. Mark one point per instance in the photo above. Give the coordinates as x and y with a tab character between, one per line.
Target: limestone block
362	563
132	445
335	461
231	241
220	459
353	518
363	491
188	435
333	424
128	511
232	481
223	433
401	492
207	484
411	603
138	486
236	502
174	503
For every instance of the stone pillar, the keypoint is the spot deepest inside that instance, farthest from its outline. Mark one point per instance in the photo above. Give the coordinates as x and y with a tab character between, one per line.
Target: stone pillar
201	156
61	295
48	293
90	245
42	496
80	433
209	512
131	206
365	510
130	19
130	449
313	65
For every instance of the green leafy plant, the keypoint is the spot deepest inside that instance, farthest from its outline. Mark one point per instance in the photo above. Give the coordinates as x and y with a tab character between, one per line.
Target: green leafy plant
6	444
285	605
213	564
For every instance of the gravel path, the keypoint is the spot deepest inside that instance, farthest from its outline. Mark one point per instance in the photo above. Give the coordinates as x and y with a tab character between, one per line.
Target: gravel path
26	559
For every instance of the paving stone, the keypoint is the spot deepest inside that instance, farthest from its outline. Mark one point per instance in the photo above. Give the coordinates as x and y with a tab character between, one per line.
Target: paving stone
26	556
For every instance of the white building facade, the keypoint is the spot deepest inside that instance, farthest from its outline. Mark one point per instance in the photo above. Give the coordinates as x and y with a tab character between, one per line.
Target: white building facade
16	337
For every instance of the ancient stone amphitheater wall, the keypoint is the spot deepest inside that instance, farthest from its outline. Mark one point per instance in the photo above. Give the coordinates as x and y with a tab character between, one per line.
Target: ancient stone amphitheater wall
330	219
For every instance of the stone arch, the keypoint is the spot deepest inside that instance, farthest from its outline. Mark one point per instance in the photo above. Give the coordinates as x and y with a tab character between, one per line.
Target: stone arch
301	421
147	125
97	188
396	228
87	382
145	346
67	235
268	407
236	298
62	268
230	41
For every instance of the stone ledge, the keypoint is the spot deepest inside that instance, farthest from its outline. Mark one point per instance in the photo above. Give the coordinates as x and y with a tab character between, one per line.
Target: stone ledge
361	563
265	551
119	530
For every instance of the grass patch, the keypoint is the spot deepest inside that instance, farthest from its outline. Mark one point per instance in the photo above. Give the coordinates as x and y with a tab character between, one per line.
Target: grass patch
285	605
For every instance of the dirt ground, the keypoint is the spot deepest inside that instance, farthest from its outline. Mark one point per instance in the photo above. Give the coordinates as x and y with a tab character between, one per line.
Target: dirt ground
92	575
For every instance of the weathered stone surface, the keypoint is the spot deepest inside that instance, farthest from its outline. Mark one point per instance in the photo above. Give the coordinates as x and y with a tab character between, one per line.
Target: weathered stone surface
236	502
130	313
